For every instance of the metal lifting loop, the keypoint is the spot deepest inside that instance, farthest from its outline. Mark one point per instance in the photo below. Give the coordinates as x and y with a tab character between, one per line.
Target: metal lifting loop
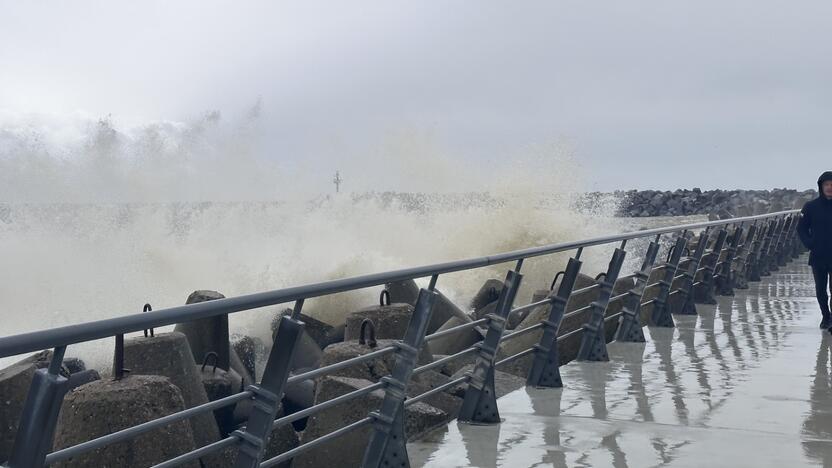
148	308
384	294
599	275
558	275
209	355
367	324
670	253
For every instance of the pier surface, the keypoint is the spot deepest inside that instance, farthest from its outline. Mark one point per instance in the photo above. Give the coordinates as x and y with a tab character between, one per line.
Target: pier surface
746	382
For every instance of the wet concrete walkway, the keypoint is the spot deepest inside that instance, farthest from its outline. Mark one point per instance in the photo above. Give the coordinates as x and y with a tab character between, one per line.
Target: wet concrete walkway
745	383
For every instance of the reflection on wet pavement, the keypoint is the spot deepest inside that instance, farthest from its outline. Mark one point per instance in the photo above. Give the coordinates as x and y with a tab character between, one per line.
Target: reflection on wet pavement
747	382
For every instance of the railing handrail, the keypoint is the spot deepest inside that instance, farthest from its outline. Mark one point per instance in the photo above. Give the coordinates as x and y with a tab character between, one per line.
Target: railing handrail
87	331
775	239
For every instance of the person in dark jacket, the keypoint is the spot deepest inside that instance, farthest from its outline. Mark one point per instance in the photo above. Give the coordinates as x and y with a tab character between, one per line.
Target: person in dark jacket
815	231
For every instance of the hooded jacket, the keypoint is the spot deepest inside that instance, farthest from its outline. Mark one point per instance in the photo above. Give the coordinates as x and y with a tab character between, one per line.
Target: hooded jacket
815	226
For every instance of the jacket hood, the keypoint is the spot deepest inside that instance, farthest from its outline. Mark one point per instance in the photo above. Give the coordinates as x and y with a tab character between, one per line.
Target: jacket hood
823	178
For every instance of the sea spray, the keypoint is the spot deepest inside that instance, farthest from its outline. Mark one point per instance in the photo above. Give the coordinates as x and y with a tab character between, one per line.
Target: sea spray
95	225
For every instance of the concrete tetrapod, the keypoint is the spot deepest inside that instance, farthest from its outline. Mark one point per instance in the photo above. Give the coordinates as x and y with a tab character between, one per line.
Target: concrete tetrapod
211	335
568	347
15	381
443	309
169	355
390	321
348	450
373	369
106	406
488	293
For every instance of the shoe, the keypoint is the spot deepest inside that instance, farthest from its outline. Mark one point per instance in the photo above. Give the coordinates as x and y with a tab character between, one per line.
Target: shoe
826	322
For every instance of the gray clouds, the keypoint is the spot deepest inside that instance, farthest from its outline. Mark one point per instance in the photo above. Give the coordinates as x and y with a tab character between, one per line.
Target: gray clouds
651	94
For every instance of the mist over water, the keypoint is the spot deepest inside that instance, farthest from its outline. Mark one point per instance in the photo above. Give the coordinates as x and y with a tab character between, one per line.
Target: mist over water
96	220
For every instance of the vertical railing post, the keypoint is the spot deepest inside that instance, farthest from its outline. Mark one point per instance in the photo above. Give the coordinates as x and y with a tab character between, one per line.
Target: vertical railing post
480	404
40	414
753	263
745	255
629	325
387	446
267	394
545	370
765	250
771	262
686	288
724	273
782	242
708	282
797	246
660	315
594	339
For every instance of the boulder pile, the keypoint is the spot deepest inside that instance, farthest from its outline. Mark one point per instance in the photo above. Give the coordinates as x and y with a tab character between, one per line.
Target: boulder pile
719	204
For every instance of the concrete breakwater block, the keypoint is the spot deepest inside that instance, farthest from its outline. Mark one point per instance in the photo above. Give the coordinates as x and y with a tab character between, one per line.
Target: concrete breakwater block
568	348
488	293
348	450
299	396
373	369
450	368
307	354
74	365
515	319
281	440
322	333
455	342
211	335
504	382
449	403
169	355
15	381
477	314
403	291
106	406
623	285
250	350
207	335
389	321
218	384
702	293
443	309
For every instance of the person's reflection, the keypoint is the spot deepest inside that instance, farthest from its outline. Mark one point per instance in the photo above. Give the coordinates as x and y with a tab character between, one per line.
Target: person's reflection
817	428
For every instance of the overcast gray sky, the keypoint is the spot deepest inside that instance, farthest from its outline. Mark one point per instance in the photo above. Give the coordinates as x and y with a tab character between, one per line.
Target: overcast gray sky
648	94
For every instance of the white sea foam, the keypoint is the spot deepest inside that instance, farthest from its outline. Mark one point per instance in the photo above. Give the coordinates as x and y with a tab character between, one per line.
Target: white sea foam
96	220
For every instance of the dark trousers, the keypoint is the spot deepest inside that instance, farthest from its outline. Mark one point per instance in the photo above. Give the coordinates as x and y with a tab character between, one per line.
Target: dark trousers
821	274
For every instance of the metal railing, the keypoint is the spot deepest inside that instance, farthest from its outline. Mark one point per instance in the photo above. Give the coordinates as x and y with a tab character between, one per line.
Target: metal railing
741	250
